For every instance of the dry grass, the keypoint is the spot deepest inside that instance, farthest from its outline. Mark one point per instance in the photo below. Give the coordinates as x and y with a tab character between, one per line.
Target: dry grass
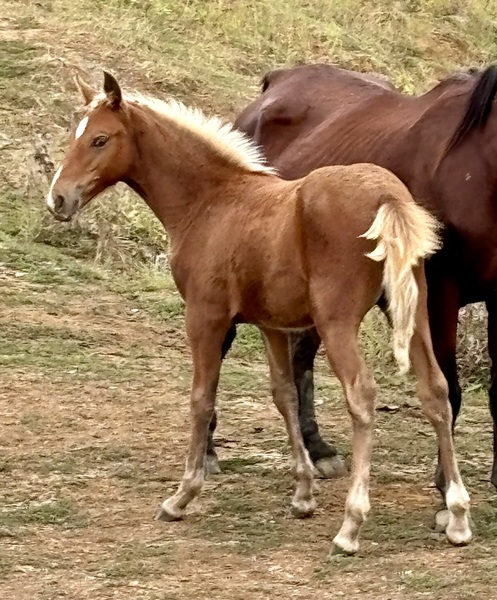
209	53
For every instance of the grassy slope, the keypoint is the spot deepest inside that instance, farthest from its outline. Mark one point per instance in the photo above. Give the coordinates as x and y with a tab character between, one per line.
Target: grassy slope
208	53
84	307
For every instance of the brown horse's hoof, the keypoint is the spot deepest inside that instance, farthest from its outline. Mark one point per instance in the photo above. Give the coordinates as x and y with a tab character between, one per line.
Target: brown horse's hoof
331	467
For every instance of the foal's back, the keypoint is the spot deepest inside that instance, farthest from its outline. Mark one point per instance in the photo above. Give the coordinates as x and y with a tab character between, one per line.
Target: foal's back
276	232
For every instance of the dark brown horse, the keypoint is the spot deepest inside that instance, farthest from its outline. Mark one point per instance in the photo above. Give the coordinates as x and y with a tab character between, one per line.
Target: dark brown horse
442	145
248	246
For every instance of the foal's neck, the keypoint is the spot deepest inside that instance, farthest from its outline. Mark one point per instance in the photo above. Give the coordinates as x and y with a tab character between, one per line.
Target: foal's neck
176	171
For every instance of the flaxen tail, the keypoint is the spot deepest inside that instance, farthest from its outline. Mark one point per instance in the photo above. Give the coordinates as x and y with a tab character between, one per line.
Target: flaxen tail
406	233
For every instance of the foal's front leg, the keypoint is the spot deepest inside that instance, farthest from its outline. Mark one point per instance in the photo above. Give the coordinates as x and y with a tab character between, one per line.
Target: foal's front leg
206	341
285	399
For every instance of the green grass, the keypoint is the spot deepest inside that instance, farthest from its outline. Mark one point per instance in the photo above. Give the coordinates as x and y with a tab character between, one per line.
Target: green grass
54	350
240	465
239	508
60	512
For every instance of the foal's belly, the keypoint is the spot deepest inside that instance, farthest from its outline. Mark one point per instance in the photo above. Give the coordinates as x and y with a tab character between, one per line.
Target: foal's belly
280	302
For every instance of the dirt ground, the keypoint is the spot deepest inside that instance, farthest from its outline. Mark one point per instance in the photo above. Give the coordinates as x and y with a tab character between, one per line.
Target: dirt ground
94	421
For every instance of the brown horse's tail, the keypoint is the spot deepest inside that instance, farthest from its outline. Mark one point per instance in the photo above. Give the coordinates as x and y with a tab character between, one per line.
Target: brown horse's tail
406	234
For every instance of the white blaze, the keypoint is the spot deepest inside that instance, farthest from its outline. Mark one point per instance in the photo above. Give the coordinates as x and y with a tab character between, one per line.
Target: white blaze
81	127
50	200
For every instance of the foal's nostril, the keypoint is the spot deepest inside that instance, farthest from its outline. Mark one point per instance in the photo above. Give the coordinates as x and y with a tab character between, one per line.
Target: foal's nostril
58	202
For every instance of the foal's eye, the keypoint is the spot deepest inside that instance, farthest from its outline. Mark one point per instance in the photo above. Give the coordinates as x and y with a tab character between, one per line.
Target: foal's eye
100	141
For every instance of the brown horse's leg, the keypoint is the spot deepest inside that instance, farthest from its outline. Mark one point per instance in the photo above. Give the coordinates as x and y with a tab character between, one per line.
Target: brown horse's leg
492	393
285	399
443	309
206	343
433	394
211	459
304	346
340	340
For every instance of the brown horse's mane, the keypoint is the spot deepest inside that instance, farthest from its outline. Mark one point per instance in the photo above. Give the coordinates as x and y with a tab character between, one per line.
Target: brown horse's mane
479	106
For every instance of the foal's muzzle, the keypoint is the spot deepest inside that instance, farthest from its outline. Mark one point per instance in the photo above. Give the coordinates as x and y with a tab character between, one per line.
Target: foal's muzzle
64	206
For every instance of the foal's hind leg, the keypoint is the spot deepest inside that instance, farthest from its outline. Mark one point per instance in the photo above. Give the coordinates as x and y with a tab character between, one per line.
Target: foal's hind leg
433	394
206	341
340	340
285	399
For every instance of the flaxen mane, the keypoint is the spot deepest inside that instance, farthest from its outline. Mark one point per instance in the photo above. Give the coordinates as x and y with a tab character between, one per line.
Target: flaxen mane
230	143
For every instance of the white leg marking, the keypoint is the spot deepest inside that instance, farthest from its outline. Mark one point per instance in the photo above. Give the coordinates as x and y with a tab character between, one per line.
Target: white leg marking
303	502
50	200
356	511
81	127
441	520
172	508
457	500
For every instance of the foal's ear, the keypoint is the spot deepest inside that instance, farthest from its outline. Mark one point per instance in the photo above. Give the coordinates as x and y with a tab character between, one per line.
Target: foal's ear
112	90
86	90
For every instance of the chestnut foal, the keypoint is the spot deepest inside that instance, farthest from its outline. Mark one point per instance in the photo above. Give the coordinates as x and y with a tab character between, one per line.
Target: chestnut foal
250	247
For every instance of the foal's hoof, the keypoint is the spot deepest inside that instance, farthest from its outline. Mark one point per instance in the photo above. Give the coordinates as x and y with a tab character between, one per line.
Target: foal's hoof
301	509
331	467
459	535
458	531
343	547
211	465
168	513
